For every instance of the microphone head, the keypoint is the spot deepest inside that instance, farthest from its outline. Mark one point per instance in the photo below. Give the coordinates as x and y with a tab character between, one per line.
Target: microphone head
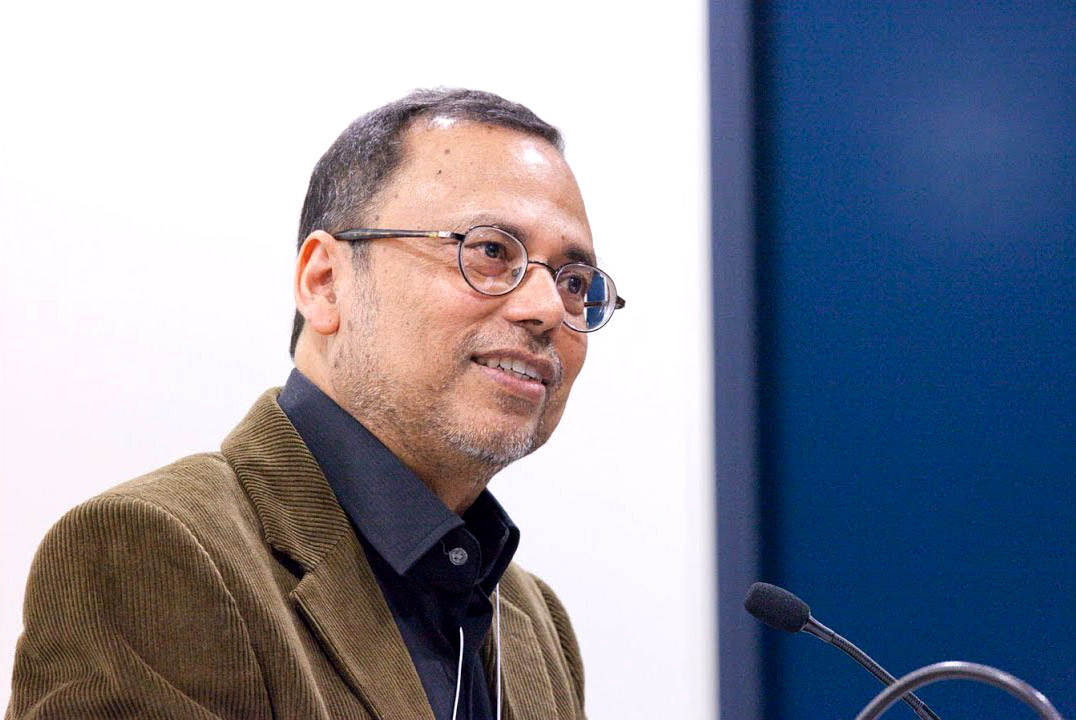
777	607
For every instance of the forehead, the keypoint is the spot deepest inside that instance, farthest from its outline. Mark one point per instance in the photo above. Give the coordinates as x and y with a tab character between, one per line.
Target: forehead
459	174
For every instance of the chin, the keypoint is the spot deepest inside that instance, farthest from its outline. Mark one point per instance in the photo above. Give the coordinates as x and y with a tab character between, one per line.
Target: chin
496	446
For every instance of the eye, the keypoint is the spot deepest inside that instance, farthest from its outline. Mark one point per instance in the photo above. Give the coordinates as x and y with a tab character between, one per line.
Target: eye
574	282
490	258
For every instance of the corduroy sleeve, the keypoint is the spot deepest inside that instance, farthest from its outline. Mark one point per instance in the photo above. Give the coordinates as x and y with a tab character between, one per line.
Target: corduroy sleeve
568	644
126	616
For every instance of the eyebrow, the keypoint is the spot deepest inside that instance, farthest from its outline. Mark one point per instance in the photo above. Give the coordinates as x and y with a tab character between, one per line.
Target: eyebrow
573	252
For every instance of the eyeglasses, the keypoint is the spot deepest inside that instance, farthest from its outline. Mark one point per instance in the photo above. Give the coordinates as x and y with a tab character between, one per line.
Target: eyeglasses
494	262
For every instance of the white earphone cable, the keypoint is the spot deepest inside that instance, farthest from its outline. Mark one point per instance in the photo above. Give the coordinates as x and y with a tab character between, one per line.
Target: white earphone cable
459	678
497	637
497	641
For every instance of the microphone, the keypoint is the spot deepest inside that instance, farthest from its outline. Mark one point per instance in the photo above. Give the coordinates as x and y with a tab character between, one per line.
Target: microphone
782	610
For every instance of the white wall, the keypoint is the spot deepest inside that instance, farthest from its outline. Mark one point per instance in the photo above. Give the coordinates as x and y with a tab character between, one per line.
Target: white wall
153	161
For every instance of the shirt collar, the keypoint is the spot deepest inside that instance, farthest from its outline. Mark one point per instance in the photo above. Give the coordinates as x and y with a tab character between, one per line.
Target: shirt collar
391	508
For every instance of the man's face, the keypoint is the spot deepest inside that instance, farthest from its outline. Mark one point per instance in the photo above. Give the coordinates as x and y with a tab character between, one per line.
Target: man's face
413	355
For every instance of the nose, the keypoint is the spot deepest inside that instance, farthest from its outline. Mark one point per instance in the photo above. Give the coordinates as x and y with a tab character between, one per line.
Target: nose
536	303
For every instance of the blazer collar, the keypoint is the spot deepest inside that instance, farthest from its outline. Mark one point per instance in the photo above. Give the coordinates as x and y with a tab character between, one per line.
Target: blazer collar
338	595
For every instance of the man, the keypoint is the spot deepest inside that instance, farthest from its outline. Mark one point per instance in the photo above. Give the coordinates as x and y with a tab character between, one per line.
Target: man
341	557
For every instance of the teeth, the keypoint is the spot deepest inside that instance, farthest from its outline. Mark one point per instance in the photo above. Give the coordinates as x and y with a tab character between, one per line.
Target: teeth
517	366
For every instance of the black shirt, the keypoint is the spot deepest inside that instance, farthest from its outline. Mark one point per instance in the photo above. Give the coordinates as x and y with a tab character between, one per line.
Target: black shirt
435	568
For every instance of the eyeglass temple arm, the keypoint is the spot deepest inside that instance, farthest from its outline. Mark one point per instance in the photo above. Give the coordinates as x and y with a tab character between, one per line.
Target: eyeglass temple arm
379	234
619	303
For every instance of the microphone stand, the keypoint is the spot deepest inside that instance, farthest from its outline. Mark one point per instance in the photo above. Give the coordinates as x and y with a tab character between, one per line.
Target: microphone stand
965	670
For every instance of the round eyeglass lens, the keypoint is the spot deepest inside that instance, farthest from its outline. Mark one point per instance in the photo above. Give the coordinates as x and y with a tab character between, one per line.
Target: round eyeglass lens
589	296
491	260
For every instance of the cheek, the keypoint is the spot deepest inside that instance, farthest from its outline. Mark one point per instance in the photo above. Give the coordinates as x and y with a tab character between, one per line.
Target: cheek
572	353
419	308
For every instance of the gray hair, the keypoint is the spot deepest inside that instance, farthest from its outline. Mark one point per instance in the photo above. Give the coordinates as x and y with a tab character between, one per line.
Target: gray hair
355	168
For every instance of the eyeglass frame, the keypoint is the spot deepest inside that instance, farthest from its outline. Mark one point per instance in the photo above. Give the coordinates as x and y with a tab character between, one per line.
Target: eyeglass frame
359	234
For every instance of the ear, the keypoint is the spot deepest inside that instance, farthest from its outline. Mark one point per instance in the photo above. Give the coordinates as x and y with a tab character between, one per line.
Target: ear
315	288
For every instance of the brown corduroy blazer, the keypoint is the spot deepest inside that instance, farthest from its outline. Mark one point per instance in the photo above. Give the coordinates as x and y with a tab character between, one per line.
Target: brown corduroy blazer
232	585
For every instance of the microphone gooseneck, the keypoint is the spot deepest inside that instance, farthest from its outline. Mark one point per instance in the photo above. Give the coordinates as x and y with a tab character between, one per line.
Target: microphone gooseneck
782	610
968	671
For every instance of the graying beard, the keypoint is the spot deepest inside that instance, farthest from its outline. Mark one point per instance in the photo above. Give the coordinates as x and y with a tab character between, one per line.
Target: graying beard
491	450
487	450
373	397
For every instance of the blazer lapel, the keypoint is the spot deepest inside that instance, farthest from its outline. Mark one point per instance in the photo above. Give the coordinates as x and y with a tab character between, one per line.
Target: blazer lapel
342	603
526	690
338	596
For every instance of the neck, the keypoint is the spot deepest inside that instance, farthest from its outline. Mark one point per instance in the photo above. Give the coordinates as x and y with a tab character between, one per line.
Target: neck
457	486
454	478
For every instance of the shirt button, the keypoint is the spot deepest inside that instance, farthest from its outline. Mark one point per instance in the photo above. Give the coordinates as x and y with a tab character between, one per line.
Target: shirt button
457	556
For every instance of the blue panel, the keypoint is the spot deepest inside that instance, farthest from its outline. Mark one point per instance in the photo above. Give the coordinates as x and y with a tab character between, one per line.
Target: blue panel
917	187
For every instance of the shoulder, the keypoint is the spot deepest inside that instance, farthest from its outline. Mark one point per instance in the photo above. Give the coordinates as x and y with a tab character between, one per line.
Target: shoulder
193	512
200	492
152	550
190	480
130	585
183	505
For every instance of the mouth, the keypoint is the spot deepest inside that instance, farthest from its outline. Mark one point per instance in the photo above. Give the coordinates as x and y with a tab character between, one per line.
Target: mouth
520	374
514	366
